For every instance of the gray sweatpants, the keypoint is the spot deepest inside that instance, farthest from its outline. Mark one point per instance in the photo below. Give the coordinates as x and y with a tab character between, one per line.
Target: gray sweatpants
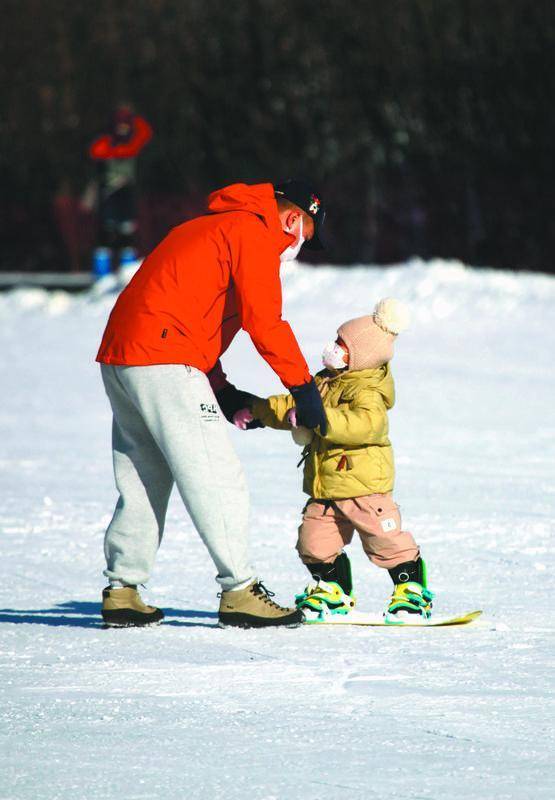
168	429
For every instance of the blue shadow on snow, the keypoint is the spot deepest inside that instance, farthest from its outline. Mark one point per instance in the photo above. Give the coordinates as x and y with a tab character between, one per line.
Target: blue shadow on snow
77	614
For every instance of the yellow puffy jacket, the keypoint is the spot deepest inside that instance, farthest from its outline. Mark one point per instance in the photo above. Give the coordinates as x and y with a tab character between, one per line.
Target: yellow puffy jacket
355	458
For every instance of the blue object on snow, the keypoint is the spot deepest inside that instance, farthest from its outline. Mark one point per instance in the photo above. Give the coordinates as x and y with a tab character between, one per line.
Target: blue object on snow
128	256
102	262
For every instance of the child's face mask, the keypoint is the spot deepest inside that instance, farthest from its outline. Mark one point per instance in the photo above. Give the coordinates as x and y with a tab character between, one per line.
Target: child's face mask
335	356
292	251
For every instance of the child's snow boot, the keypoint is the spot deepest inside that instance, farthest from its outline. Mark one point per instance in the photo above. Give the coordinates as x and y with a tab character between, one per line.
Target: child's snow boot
253	607
339	571
332	589
123	608
411	600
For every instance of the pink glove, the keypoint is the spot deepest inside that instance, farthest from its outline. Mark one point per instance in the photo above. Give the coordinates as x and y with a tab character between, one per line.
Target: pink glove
242	417
292	417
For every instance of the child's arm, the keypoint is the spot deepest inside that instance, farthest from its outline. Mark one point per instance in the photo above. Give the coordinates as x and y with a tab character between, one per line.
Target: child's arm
364	421
272	412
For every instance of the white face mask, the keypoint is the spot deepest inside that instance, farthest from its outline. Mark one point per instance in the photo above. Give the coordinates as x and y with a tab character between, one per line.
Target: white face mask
333	356
292	251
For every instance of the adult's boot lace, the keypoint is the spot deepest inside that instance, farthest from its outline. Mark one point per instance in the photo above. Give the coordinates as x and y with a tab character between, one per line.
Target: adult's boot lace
266	595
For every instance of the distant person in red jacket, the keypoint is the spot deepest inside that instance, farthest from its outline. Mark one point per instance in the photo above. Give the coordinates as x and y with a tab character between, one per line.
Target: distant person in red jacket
160	362
116	156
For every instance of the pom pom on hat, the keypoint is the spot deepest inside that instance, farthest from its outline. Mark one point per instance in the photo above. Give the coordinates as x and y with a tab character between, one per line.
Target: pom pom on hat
392	315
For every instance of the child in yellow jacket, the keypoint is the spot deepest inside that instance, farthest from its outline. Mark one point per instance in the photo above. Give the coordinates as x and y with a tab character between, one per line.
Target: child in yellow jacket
349	472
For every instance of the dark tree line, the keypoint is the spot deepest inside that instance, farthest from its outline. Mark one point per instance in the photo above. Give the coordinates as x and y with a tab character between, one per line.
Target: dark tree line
429	124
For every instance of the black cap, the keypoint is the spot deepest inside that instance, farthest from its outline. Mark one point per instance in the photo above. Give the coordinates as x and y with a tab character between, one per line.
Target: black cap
304	195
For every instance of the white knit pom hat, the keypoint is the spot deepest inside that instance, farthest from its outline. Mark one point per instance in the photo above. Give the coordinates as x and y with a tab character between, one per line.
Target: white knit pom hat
370	339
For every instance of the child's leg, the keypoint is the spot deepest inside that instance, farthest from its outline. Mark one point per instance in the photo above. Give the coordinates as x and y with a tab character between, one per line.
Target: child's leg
322	535
377	520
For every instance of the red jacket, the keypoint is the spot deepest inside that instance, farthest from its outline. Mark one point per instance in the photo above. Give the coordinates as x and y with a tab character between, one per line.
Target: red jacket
104	147
207	279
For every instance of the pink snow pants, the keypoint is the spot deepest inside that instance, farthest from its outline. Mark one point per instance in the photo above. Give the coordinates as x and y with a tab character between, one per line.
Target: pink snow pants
329	525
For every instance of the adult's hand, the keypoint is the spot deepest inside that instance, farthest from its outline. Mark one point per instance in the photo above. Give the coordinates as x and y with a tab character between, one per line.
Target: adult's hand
310	410
231	400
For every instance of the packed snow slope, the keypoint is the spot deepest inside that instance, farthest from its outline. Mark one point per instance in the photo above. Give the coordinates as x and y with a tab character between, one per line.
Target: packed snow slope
187	710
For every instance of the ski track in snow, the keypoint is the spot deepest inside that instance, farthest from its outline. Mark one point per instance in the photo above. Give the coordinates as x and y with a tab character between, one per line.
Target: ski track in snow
190	710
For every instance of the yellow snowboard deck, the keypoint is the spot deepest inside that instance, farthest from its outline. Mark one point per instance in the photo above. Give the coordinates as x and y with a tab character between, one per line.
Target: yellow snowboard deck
373	620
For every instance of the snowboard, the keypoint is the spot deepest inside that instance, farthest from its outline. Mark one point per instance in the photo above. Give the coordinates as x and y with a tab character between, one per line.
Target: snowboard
375	620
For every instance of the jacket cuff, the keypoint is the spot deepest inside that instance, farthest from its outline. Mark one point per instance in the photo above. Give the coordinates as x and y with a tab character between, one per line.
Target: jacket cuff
217	378
259	408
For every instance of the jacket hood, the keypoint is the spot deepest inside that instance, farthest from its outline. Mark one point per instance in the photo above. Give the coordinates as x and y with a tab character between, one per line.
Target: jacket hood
257	199
379	379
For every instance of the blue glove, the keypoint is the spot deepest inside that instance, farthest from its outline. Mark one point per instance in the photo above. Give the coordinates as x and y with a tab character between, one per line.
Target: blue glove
310	411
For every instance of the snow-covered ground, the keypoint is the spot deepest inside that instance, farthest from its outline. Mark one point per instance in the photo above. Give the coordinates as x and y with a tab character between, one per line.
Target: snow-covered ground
187	710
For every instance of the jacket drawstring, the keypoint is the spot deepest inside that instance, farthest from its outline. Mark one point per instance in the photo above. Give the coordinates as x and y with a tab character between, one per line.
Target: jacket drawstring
304	455
327	505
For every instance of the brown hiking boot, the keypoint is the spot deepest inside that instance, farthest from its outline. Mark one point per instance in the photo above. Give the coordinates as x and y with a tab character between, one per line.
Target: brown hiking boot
253	607
123	608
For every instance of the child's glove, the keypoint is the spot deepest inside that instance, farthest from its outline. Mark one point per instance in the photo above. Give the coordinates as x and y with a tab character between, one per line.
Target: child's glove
242	417
244	420
301	436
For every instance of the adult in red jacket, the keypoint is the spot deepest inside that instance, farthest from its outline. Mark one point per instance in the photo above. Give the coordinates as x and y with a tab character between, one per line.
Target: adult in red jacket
160	364
115	154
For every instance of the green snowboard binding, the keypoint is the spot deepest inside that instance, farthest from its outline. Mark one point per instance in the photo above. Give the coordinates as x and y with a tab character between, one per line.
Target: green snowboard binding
411	597
331	591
